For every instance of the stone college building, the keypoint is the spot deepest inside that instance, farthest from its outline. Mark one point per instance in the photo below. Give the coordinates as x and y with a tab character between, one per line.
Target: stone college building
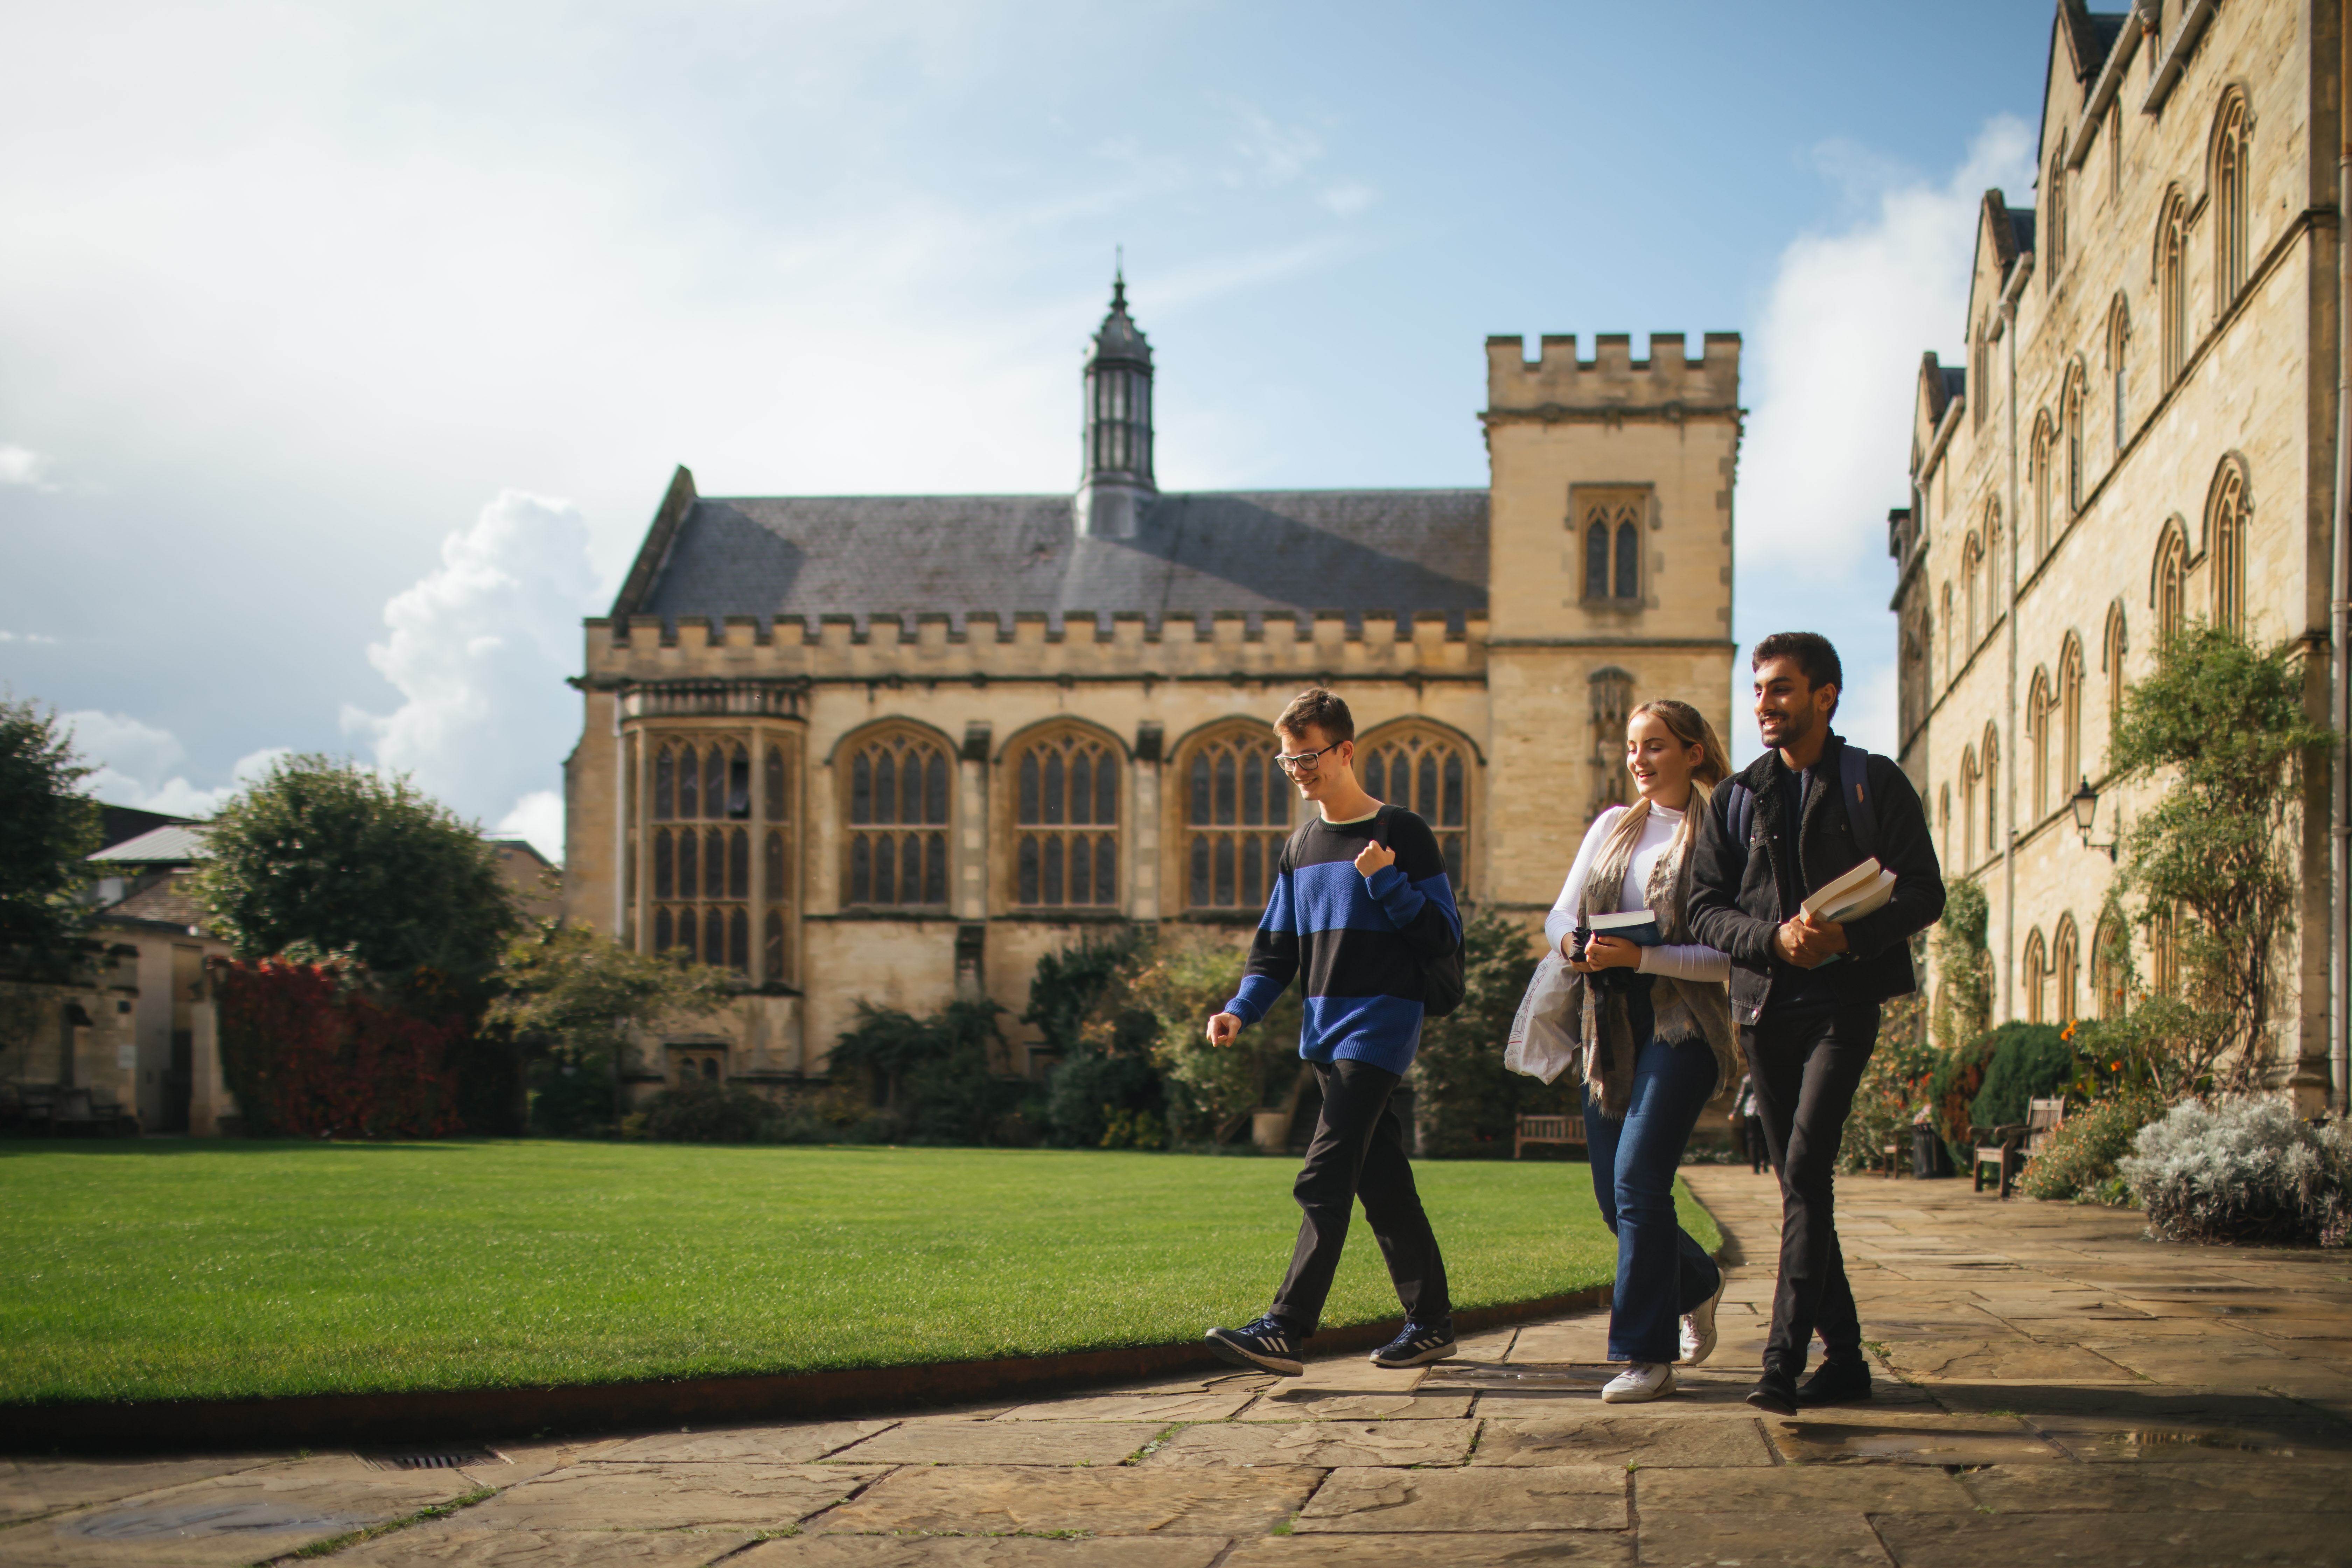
896	747
2145	431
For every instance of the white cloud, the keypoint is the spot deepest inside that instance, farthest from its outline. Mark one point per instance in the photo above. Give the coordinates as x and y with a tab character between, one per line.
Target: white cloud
22	465
141	765
538	816
1834	363
1278	153
479	650
1346	201
25	638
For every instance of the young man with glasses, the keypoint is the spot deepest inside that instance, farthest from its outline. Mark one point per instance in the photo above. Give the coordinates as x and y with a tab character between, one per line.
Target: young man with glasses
1360	905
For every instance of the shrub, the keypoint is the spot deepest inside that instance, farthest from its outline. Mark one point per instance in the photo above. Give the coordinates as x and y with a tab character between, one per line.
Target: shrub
1213	1091
933	1074
310	1052
1467	1102
699	1112
1082	1000
2242	1170
2029	1061
2079	1159
1892	1087
1952	1092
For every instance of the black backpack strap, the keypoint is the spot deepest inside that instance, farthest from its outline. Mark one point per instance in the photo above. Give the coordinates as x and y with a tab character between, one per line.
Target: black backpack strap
1861	813
1740	814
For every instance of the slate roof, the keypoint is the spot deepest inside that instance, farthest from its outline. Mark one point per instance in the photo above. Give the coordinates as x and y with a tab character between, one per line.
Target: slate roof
165	903
1273	551
181	844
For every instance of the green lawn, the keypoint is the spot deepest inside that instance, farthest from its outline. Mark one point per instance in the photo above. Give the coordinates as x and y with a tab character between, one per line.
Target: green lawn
156	1270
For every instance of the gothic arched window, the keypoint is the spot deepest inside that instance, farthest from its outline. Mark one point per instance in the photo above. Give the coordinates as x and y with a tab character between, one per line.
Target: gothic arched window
1971	782
2231	147
1993	843
1236	814
1972	585
2071	413
2172	285
1611	690
2119	345
2108	967
1612	545
2054	202
2044	477
2112	649
1428	773
700	875
2172	592
2037	731
1065	815
2036	977
2065	966
898	804
2225	544
2070	712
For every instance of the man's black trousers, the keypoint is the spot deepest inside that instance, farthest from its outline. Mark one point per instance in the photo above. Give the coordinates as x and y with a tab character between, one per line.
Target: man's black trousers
1805	1071
1358	1152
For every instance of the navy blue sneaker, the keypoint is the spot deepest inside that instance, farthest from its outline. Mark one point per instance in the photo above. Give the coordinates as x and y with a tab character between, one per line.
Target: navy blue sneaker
1417	1344
1269	1344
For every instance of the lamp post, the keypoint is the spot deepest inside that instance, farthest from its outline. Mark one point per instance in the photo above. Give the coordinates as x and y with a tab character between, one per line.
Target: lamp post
2085	802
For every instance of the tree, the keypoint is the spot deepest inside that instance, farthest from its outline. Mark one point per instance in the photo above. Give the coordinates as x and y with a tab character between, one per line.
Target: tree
1216	1089
575	999
2224	725
933	1074
323	859
1104	1091
51	827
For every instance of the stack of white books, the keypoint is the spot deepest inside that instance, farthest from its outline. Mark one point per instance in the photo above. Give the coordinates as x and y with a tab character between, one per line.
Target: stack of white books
1863	890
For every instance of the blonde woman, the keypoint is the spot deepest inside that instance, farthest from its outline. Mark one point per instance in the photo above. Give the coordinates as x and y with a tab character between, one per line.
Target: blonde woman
1655	1026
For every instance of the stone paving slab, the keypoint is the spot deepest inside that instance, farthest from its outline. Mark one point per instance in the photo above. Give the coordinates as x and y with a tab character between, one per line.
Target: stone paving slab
232	1519
457	1545
1680	1540
1311	1404
1909	1437
651	1495
1577	1549
2143	1540
1813	1488
997	1442
1323	1444
1387	1502
981	1551
764	1445
1665	1440
1128	1501
30	1488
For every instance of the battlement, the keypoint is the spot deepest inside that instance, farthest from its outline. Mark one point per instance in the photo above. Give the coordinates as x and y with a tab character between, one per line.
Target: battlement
1612	383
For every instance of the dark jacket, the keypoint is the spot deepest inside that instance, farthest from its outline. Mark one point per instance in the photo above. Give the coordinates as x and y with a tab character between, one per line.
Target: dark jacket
1740	896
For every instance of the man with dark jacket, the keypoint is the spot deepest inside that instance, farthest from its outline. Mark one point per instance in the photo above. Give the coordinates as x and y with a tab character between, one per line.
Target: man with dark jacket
1805	992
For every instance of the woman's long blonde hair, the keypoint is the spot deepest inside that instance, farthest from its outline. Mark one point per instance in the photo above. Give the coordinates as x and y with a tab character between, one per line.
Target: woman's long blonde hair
1689	726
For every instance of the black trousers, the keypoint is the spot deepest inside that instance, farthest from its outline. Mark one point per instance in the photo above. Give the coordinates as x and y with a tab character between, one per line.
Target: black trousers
1358	1152
1805	1071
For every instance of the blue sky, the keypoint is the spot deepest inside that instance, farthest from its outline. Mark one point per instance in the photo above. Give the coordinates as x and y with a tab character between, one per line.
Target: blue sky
344	351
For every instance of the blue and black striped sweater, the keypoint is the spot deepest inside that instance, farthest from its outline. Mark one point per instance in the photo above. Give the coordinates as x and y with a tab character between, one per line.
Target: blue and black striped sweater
1360	941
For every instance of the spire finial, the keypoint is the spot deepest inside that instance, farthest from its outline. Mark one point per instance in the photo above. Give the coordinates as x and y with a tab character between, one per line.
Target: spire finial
1119	277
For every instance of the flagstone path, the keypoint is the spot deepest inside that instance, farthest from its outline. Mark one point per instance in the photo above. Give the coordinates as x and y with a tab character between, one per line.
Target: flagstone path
2054	1389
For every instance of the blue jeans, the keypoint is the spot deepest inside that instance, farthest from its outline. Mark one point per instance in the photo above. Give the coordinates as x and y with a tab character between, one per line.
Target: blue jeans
1662	1273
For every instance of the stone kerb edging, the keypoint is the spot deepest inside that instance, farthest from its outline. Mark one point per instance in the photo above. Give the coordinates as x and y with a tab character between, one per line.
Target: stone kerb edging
370	1420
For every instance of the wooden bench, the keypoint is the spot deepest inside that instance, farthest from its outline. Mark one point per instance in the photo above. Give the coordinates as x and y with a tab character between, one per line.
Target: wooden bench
1997	1147
2043	1117
1568	1129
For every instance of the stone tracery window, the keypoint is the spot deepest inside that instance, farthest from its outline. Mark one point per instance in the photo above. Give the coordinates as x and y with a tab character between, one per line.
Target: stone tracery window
2038	707
2065	969
2231	147
2069	697
2070	416
1993	843
2043	468
2172	285
2225	545
897	803
1237	809
701	850
2171	595
1612	545
1428	773
2036	976
2107	969
1065	814
2111	665
2119	347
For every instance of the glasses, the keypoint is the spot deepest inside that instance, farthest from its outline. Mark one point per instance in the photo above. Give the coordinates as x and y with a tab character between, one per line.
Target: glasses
1305	762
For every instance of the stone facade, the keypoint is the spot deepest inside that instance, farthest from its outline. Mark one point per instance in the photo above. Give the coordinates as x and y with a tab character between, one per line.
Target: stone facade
2143	432
1082	687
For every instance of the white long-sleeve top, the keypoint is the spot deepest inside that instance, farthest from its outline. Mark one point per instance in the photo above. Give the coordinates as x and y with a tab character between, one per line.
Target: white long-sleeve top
1693	961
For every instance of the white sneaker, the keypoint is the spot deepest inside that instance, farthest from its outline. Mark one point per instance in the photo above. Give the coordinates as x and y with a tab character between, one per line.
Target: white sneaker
1698	1327
1644	1380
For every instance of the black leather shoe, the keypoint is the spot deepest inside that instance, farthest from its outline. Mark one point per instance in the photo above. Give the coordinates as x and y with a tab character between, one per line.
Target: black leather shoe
1836	1383
1775	1393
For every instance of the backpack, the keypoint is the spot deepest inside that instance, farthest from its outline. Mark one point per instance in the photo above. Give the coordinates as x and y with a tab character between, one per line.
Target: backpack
1853	764
1443	981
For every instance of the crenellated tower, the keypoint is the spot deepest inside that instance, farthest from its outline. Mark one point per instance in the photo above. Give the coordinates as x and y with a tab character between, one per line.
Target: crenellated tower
1115	481
1609	572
